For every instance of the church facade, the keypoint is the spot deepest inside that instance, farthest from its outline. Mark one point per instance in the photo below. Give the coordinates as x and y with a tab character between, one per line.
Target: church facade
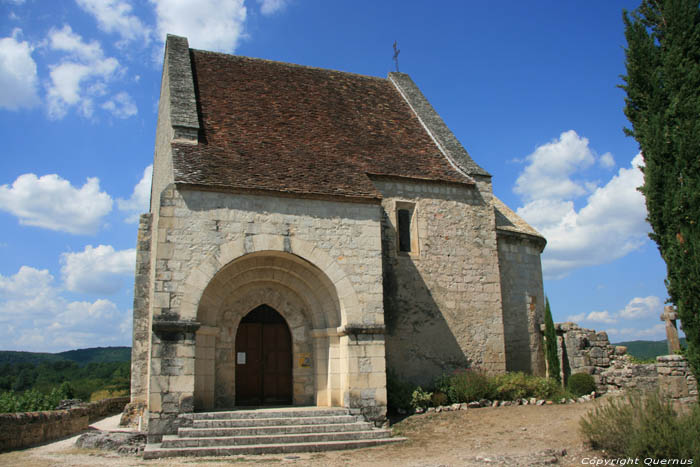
311	230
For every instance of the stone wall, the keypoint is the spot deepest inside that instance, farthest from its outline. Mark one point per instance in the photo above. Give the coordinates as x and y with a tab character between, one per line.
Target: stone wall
321	258
587	351
442	300
523	301
24	429
675	379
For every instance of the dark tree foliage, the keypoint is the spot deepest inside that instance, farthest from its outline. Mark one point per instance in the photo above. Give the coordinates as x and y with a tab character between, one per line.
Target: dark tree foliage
663	105
550	345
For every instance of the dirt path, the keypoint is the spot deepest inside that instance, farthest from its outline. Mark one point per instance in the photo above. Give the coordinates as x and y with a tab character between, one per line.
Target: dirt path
522	435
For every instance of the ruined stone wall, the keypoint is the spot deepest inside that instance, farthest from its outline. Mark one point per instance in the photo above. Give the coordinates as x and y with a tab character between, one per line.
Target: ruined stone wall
587	351
24	429
676	380
522	293
442	300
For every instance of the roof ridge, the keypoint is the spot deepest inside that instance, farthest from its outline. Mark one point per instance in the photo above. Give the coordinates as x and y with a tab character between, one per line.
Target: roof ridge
288	64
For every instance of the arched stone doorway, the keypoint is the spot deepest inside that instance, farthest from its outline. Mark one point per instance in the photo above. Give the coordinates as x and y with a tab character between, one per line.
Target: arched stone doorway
304	298
263	359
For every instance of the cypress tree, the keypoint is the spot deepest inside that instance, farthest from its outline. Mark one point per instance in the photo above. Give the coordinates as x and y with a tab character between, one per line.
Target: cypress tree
550	345
663	104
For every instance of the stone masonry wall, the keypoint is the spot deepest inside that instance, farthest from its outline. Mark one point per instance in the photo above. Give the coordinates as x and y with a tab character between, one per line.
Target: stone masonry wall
675	379
24	429
522	293
443	301
193	226
588	351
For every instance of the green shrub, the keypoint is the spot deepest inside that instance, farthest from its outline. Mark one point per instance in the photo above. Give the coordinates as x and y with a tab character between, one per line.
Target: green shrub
32	400
580	384
643	426
421	398
547	388
468	386
512	386
439	398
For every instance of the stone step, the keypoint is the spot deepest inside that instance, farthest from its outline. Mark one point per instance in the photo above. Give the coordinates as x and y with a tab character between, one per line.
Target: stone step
258	422
155	451
273	430
173	441
296	412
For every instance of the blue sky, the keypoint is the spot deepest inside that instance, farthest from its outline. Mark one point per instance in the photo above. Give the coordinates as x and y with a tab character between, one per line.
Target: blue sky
529	88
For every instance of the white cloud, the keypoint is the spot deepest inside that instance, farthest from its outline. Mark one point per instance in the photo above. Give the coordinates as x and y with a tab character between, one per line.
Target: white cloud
115	16
593	316
642	307
601	317
268	7
79	78
98	270
18	75
576	318
607	161
208	24
66	40
609	226
122	106
53	203
37	318
29	287
140	198
550	167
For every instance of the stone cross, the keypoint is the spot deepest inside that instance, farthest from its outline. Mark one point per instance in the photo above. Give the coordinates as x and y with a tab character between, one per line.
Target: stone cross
396	57
670	316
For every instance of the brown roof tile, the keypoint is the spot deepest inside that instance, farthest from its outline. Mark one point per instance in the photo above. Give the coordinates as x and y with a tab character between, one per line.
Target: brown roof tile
275	126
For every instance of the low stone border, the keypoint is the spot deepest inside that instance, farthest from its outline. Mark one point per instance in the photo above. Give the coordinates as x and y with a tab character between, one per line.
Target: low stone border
24	429
498	403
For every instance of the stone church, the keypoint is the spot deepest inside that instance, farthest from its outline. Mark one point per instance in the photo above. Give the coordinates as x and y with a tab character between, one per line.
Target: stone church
310	231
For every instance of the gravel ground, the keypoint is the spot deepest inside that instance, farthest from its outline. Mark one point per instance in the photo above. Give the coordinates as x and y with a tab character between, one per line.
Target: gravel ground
520	435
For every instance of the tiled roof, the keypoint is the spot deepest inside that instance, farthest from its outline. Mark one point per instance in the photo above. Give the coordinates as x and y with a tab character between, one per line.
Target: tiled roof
274	126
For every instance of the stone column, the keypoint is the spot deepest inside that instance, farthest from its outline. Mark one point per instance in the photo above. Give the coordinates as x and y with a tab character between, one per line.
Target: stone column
366	376
139	349
172	376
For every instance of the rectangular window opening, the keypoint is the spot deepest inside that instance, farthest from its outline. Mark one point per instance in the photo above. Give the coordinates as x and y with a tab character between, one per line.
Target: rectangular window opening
404	227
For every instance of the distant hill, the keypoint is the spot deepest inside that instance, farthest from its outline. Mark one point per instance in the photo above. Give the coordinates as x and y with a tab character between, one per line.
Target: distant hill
647	349
80	356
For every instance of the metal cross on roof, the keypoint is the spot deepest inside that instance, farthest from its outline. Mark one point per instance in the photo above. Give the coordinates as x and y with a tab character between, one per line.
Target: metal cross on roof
396	56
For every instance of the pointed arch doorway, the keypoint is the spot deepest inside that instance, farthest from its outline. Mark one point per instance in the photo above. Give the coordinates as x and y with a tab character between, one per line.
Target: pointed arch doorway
263	359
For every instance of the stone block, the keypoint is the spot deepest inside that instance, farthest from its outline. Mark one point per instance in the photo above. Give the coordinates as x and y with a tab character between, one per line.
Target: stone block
161	299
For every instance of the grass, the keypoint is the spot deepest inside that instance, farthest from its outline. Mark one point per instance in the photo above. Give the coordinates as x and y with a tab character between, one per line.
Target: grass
643	426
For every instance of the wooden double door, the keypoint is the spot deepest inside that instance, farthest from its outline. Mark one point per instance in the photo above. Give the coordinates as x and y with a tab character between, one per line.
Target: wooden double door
263	359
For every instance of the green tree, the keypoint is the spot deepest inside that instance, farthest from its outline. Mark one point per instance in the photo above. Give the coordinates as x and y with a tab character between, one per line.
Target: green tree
663	104
550	344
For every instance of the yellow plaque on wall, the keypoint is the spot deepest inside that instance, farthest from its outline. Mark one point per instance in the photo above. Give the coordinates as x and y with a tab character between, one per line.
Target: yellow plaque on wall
305	360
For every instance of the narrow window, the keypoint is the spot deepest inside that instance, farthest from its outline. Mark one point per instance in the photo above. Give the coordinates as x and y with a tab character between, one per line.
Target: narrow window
404	216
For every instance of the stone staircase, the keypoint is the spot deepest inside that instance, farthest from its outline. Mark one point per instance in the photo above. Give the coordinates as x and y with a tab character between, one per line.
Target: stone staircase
269	431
